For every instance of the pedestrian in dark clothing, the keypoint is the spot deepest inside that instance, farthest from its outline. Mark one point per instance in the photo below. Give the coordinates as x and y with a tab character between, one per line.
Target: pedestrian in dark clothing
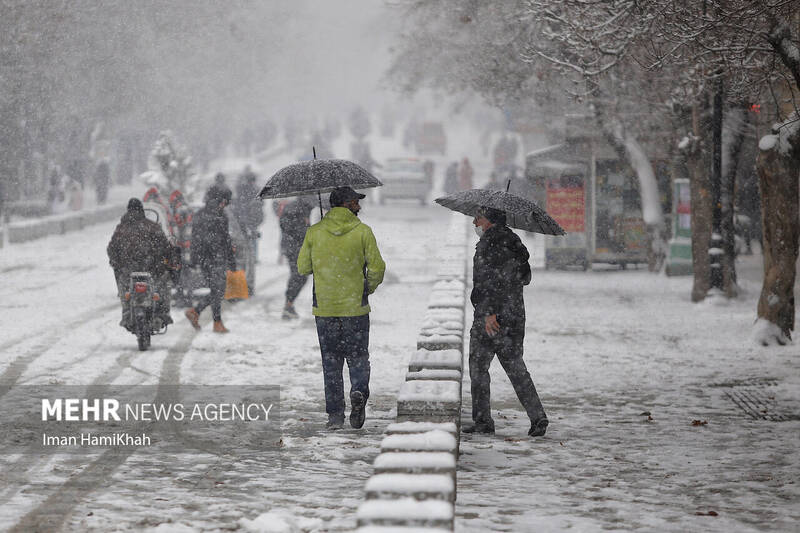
343	255
249	212
212	251
294	222
451	178
500	270
139	245
102	181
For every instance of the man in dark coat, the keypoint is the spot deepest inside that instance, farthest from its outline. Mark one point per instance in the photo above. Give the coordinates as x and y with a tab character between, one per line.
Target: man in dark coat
500	270
212	251
249	212
294	222
139	245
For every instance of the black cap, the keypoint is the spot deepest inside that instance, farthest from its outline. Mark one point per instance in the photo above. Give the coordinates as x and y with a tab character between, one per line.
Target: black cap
342	195
495	216
134	204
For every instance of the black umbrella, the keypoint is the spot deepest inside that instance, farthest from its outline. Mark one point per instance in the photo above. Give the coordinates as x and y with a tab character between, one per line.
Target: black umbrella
520	212
317	176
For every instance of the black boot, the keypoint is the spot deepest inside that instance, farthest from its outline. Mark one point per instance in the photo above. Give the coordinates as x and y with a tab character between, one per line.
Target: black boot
357	414
486	428
538	427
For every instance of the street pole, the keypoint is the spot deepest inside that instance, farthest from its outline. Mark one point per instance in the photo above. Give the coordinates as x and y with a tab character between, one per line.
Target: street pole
715	246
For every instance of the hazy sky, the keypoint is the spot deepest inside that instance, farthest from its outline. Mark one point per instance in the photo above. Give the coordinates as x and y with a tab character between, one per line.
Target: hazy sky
336	54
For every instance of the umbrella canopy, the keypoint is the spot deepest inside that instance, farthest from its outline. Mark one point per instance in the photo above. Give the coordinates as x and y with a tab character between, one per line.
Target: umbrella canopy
520	212
317	176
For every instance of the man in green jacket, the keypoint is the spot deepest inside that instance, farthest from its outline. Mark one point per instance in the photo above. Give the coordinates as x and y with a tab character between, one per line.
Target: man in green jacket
342	254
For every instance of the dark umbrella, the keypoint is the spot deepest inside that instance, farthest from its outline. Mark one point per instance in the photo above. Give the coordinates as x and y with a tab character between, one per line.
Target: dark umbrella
520	212
317	176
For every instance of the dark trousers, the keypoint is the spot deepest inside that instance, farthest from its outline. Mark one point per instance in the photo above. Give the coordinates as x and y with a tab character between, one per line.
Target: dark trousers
296	280
343	339
507	345
215	280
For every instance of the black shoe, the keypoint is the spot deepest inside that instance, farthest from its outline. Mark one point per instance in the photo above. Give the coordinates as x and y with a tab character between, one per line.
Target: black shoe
357	414
335	422
538	428
486	429
289	313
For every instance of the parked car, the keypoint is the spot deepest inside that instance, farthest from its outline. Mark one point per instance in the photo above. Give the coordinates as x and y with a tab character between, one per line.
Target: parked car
406	178
431	139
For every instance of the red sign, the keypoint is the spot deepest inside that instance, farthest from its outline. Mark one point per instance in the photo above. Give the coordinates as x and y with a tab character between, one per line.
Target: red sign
566	206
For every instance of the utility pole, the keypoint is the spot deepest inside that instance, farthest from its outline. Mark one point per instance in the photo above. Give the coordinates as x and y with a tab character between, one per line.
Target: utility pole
715	250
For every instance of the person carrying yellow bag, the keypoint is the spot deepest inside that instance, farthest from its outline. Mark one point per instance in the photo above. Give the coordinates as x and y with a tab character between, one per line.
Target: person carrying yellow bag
212	250
236	285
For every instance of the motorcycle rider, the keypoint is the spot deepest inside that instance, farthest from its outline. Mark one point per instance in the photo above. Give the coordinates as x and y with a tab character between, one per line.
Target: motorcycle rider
139	245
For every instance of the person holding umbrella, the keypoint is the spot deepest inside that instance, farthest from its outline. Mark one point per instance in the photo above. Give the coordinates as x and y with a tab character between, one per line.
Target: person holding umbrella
342	254
500	271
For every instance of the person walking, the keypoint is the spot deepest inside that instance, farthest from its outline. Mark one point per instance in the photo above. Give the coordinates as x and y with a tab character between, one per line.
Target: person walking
465	174
500	270
293	223
249	212
211	250
342	254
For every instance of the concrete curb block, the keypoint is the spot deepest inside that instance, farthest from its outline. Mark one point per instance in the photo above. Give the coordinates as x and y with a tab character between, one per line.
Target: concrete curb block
414	484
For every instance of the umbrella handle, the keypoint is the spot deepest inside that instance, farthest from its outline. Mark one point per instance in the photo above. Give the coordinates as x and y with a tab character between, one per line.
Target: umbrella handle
319	197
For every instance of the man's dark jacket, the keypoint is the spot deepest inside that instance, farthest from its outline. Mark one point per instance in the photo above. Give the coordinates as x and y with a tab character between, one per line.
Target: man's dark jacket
138	245
249	210
211	246
500	270
294	223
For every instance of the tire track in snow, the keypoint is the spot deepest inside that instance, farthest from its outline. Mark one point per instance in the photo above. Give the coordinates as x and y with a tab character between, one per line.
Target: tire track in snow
17	367
51	514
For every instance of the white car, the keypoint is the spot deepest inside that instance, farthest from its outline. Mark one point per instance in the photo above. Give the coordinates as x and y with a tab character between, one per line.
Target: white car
406	178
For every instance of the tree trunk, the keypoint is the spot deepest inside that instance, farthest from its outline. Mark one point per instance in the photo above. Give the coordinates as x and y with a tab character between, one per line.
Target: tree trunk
733	137
697	166
778	169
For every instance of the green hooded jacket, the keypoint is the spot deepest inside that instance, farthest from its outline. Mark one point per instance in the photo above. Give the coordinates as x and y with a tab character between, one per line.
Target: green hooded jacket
342	254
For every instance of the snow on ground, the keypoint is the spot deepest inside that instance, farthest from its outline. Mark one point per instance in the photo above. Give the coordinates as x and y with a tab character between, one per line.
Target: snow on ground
59	325
604	347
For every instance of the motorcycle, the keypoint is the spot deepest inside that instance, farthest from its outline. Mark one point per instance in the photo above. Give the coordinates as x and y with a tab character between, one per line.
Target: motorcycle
143	300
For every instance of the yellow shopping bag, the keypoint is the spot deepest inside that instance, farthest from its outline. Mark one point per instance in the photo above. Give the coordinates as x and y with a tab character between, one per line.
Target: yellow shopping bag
236	285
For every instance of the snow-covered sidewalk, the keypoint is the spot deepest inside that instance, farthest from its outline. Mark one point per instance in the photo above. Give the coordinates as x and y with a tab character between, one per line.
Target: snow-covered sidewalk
639	385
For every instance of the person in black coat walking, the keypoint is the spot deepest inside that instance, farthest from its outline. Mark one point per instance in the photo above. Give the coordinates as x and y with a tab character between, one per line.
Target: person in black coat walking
294	222
212	251
500	271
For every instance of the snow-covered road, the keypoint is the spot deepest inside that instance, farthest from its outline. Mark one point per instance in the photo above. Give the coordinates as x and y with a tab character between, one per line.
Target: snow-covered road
59	322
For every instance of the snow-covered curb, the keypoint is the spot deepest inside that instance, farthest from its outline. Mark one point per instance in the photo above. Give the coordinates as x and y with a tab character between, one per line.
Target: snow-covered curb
28	230
414	484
